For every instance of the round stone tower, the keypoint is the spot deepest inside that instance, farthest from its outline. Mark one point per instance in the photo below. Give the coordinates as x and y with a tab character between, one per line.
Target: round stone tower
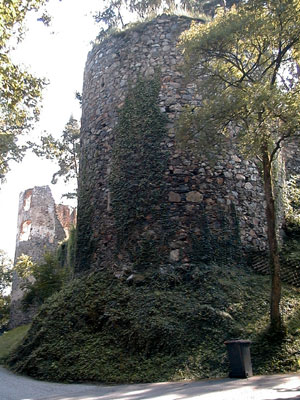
202	207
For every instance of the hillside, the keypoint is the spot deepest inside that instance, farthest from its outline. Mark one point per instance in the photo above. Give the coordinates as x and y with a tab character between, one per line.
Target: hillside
157	326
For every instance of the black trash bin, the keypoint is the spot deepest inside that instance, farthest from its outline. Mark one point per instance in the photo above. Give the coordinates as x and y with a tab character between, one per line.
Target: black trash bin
239	358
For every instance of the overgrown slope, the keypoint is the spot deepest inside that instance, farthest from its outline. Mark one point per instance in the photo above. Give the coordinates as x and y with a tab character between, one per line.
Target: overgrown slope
159	326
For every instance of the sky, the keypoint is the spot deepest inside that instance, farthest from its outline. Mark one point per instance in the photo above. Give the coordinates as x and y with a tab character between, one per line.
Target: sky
57	53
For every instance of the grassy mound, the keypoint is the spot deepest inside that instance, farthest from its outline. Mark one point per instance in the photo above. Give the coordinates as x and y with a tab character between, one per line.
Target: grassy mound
157	327
10	340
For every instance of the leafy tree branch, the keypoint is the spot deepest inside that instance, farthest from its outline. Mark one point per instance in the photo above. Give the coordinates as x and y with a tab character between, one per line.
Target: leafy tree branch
5	282
20	91
242	63
113	13
65	151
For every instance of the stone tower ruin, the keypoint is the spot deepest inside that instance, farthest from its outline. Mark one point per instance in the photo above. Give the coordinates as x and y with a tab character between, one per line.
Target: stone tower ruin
41	226
197	197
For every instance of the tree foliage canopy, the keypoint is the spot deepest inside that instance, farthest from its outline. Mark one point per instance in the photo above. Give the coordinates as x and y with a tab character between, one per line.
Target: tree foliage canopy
39	280
5	272
5	282
248	58
244	64
20	91
65	151
113	13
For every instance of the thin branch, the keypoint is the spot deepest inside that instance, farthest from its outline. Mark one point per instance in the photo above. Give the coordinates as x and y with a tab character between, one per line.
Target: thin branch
278	145
278	60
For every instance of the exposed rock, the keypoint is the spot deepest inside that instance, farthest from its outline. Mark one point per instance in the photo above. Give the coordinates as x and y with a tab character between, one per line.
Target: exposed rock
174	255
194	197
174	197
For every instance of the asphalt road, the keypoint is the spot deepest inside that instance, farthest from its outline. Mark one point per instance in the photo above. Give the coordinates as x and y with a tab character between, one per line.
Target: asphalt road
274	387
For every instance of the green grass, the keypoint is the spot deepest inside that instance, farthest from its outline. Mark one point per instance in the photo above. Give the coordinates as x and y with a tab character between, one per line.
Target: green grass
10	340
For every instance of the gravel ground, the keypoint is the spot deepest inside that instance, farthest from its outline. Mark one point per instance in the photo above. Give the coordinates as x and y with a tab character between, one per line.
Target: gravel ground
273	387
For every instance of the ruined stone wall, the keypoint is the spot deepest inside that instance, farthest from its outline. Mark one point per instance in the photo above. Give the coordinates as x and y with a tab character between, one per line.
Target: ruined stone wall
67	217
194	188
39	230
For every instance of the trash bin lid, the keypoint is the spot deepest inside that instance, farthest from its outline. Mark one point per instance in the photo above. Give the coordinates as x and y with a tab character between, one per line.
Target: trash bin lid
241	341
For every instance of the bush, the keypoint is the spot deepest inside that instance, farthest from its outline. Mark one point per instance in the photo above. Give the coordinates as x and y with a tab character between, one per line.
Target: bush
40	280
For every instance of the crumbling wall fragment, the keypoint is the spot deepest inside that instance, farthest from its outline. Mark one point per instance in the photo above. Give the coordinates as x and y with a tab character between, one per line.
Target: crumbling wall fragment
39	230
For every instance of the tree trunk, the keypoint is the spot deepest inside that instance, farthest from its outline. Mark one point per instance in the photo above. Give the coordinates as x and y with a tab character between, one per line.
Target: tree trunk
275	316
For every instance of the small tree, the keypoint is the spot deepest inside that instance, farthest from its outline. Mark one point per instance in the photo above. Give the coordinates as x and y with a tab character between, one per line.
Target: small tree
41	280
243	64
65	151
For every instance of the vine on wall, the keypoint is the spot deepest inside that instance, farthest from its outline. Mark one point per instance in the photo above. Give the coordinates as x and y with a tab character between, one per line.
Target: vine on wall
220	243
66	254
138	165
84	234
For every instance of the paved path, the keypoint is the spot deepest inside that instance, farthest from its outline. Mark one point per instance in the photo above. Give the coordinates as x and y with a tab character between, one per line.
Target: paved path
274	387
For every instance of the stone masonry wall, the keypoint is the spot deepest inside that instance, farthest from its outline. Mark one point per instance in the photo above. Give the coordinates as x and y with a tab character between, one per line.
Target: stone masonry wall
193	186
39	230
67	217
291	155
